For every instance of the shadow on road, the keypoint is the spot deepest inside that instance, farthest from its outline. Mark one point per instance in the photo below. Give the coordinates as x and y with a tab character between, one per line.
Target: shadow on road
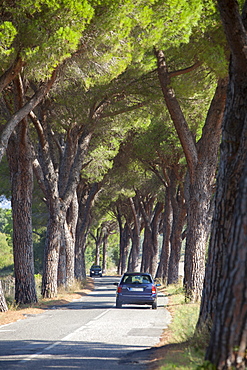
63	355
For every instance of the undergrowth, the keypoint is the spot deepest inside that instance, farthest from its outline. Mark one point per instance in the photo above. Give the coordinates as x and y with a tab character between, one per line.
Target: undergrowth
62	293
188	349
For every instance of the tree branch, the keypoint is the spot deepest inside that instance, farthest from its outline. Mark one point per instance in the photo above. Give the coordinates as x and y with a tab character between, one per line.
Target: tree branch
11	73
234	30
23	112
124	110
177	116
185	70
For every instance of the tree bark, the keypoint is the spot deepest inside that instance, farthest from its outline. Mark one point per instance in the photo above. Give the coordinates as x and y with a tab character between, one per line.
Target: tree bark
225	281
98	243
224	303
202	161
150	252
59	176
104	253
179	217
20	163
3	304
162	271
124	238
86	195
22	113
70	230
146	204
11	73
51	253
125	244
133	263
66	267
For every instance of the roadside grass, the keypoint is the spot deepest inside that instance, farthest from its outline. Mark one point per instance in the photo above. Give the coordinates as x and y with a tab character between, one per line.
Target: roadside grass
182	350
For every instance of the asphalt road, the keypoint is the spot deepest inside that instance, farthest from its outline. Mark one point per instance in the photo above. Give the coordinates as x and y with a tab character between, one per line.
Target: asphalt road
89	333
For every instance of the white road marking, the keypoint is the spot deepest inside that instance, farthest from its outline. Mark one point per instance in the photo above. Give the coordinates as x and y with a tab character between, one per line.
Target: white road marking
66	338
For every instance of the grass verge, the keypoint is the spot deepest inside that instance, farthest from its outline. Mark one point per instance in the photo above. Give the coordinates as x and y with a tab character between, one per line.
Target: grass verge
180	349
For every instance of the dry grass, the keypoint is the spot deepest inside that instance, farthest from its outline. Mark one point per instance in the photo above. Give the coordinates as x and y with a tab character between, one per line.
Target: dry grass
63	297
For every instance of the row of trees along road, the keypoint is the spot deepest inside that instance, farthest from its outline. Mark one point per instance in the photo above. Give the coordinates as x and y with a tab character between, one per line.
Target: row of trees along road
120	104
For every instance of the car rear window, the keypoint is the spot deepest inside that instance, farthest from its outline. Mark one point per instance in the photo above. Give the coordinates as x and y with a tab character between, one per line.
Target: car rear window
136	279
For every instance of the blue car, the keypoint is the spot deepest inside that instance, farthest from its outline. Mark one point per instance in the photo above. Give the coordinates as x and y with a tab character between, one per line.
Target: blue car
136	288
95	270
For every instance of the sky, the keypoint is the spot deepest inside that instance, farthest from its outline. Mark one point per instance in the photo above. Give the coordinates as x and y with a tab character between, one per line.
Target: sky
4	202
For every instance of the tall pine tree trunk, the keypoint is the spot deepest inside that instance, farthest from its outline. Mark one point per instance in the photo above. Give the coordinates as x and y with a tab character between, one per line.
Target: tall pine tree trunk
86	195
226	277
224	303
151	217
66	267
3	304
162	271
124	248
133	263
154	247
71	222
179	217
20	162
104	254
202	159
51	253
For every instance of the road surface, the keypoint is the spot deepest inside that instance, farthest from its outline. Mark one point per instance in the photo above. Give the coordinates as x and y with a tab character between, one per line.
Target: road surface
89	333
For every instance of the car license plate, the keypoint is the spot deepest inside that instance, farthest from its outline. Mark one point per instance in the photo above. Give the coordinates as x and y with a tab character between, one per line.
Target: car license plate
136	289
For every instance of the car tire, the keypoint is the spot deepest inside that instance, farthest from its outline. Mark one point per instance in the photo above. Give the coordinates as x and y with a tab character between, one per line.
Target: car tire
118	304
154	305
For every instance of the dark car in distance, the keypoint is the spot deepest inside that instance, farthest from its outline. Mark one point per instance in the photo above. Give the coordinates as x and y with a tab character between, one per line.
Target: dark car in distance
95	270
136	288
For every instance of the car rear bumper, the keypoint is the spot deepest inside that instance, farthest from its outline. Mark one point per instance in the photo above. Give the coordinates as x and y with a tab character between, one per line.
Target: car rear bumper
136	300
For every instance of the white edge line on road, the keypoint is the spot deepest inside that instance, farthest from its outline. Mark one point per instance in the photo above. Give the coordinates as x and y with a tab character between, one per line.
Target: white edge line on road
67	337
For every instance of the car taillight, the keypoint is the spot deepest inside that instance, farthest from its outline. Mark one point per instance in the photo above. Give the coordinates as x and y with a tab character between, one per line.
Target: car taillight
153	289
119	289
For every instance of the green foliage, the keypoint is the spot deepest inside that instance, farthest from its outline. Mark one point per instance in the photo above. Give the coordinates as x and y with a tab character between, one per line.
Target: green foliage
3	219
6	227
89	254
113	34
6	253
43	32
38	248
100	159
6	241
7	35
195	92
207	365
115	41
38	284
158	140
112	254
126	32
5	179
177	19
